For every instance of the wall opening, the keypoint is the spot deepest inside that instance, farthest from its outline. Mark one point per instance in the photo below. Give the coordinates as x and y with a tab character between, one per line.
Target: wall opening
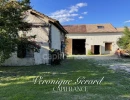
95	49
78	47
108	46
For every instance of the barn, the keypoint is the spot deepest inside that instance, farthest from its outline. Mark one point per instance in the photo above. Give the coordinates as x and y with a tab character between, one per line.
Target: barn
99	39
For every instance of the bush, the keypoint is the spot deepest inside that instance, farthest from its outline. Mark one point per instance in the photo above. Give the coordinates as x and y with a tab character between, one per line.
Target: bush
55	56
89	52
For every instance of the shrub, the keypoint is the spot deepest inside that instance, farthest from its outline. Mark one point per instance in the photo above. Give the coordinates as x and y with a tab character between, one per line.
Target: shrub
55	56
89	52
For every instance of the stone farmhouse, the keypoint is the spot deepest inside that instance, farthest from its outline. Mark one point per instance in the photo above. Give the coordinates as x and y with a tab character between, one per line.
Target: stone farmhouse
99	39
50	34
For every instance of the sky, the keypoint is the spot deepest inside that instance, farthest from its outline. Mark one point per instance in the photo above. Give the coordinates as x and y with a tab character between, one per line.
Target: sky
70	12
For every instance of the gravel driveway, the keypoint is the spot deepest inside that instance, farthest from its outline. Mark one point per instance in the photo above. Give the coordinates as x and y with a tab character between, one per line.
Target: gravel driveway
107	60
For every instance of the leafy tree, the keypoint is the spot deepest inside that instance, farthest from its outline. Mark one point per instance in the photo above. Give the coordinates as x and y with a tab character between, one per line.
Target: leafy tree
124	41
11	22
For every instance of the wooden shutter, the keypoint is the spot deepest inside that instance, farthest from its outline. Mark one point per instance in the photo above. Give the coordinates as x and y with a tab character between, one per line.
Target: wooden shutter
92	49
68	48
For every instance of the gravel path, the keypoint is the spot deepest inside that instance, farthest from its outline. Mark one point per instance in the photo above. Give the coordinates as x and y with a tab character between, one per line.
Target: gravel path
108	60
125	67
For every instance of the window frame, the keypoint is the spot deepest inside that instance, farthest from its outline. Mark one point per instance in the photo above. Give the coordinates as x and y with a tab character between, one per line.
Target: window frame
23	52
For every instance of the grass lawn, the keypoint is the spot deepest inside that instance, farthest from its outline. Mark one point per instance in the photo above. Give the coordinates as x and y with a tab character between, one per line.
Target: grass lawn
17	83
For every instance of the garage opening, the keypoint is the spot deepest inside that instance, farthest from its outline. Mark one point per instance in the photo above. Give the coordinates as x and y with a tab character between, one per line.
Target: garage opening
95	49
78	47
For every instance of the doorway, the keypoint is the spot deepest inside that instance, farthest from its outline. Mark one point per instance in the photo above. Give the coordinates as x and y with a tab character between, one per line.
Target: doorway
78	47
95	49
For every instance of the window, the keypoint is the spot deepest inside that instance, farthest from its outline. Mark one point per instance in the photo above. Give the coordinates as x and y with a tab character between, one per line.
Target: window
22	52
29	53
108	46
100	27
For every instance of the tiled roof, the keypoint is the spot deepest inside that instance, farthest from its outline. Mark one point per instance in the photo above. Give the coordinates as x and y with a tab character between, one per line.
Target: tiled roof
76	28
121	29
90	28
93	28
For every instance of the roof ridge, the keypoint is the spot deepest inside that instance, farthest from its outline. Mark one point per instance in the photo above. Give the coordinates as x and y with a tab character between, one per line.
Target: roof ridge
122	27
89	24
74	25
98	23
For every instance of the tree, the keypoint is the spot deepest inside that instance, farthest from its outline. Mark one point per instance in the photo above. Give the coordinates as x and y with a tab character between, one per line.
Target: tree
124	41
11	22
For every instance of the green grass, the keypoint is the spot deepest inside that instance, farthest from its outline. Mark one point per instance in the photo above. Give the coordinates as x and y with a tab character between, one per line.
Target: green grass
16	83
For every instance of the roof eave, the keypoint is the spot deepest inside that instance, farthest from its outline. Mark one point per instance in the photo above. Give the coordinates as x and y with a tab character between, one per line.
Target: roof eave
54	21
59	26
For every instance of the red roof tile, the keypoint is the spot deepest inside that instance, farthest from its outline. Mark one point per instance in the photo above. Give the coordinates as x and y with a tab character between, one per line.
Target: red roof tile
90	28
76	28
